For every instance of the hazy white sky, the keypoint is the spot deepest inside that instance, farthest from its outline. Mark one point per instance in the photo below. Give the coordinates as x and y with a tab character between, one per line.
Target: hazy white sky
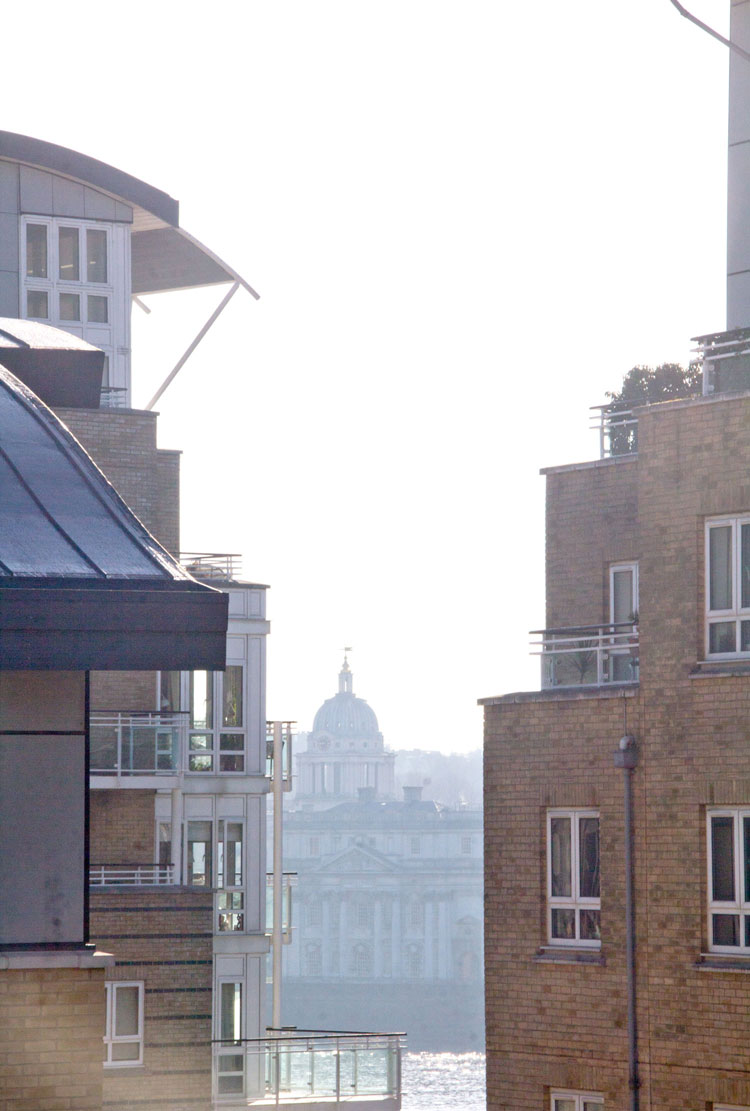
467	219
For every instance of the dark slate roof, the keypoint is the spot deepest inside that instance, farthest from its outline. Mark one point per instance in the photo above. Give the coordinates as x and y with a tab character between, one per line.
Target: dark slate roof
82	582
58	367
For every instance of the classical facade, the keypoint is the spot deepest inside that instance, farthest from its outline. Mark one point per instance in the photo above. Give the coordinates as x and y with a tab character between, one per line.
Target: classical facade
389	892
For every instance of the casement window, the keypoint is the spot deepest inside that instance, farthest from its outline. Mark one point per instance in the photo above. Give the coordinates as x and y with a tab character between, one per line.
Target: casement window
573	899
123	1037
728	587
728	840
230	1073
216	716
76	277
230	898
576	1101
623	614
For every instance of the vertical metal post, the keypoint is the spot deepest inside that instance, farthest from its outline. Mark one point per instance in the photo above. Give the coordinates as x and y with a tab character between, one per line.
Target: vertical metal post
626	758
278	894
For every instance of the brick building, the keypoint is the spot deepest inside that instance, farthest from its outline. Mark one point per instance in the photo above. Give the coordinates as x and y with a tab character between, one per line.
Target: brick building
146	835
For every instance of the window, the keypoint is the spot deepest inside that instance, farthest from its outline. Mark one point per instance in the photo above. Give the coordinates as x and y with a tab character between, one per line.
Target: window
415	846
729	880
215	739
623	613
576	1101
313	846
466	846
313	913
313	961
229	876
199	854
75	276
123	1036
573	878
728	587
230	1065
362	962
413	962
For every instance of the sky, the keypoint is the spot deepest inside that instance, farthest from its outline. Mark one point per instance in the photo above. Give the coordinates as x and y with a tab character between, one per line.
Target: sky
467	219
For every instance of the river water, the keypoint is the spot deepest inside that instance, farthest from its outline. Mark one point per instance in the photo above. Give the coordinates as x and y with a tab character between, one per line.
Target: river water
443	1082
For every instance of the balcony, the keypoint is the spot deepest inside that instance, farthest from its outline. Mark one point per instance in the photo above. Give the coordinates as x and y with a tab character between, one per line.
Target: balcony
310	1069
617	428
137	743
130	875
588	655
218	566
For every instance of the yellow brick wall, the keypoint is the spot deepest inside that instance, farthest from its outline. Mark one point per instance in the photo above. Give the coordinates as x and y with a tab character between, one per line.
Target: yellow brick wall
564	1025
51	1027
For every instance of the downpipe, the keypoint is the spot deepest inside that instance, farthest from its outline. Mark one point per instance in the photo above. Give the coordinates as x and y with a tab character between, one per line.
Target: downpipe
626	758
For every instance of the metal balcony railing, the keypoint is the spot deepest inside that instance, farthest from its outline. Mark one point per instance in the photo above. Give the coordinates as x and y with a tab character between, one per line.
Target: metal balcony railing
223	566
617	428
113	397
131	875
288	881
137	743
311	1067
588	655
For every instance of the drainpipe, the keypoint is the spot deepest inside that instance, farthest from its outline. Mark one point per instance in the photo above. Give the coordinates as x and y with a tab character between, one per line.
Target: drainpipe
626	758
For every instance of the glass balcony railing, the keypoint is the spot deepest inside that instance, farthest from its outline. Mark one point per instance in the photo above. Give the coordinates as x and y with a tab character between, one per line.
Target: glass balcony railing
224	566
139	743
588	655
310	1066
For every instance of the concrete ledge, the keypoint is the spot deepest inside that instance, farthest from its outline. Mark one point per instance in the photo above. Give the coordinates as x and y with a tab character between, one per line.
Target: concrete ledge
608	461
722	962
55	958
553	955
564	694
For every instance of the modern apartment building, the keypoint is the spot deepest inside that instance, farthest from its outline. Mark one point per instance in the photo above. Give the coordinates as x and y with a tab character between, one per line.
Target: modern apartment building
173	733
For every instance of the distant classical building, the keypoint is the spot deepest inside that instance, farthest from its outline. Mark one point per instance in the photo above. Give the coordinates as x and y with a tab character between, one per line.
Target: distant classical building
389	893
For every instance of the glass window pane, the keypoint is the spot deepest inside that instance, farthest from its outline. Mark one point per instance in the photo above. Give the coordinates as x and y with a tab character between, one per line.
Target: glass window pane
565	1105
232	707
560	842
720	567
70	306
98	309
231	1012
588	846
234	854
592	1105
70	267
201	699
126	1011
169	691
126	1051
563	923
165	844
746	838
96	255
623	603
722	859
591	925
199	854
726	929
201	763
745	566
37	305
744	636
722	636
232	754
36	251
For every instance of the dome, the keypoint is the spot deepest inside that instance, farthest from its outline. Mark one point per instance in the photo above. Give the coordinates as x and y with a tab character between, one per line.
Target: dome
345	715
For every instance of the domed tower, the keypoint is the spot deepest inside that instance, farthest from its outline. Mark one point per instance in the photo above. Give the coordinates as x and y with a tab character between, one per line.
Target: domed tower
346	757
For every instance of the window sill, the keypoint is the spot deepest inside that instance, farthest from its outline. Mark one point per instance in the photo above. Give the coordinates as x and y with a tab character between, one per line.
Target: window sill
706	669
723	962
560	955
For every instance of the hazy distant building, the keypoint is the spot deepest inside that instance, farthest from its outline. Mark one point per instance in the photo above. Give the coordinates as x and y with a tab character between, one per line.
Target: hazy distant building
389	892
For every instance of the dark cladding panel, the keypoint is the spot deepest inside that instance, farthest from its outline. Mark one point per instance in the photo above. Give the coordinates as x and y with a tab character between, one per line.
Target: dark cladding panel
42	819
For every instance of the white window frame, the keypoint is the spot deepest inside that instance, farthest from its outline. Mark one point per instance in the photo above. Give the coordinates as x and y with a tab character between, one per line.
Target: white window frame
216	731
736	612
112	337
229	913
110	1038
580	1098
628	565
737	906
575	901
